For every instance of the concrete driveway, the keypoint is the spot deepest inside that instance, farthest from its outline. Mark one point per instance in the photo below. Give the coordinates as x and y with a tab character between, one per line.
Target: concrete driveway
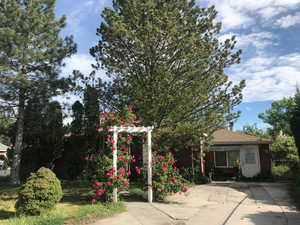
218	203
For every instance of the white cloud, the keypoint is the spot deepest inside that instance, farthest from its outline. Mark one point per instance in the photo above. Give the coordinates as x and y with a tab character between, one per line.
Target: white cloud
259	40
85	10
268	78
289	20
81	62
270	12
236	14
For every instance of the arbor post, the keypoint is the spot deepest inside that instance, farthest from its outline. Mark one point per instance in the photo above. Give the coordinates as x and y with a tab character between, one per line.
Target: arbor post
115	157
149	167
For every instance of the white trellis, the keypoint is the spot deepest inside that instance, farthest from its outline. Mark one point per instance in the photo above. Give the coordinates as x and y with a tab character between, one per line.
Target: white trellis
116	130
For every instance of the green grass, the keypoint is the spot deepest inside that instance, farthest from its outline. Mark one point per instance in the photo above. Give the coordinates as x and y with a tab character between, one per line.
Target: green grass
72	210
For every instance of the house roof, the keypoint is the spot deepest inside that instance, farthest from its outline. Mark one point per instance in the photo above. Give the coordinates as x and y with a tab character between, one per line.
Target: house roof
3	148
225	137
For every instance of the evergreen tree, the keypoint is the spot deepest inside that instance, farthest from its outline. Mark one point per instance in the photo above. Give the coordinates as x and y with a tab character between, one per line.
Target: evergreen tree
43	135
278	116
165	59
295	120
31	55
91	114
78	118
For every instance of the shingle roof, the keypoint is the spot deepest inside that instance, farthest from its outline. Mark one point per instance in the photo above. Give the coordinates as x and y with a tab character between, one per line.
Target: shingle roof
3	148
224	136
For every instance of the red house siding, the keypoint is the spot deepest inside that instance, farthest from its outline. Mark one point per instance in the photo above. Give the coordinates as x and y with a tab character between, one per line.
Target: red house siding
265	158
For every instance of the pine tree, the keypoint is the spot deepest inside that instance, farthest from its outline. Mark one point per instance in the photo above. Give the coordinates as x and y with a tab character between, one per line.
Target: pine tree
164	58
78	118
31	55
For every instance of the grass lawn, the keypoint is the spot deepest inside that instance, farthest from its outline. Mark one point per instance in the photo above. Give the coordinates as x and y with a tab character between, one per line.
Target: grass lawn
73	209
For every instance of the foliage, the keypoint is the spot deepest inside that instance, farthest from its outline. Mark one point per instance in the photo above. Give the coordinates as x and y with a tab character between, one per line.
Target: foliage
193	175
282	172
91	117
5	125
43	135
164	57
165	176
73	209
41	192
78	118
255	131
284	148
99	170
31	55
295	120
278	116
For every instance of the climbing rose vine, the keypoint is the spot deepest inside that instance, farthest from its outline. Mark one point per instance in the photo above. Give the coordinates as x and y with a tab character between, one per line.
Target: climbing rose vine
99	168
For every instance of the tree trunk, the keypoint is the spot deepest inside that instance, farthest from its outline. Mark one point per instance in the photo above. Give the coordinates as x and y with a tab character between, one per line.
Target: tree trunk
15	168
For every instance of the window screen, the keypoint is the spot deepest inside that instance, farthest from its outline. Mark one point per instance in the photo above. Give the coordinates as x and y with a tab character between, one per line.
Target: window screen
221	159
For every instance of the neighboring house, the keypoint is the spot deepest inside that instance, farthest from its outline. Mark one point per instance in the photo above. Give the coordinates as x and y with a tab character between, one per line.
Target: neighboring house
3	149
233	151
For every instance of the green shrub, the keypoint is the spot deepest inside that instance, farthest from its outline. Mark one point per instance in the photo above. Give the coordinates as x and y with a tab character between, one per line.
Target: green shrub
193	175
40	193
282	172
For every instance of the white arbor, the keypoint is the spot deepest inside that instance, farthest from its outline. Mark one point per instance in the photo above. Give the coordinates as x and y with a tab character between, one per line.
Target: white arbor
116	130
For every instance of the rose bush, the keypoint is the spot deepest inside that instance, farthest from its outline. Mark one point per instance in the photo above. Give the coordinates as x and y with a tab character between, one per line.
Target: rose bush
166	179
99	168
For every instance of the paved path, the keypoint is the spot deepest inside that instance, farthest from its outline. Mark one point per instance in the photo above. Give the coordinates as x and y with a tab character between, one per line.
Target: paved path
220	203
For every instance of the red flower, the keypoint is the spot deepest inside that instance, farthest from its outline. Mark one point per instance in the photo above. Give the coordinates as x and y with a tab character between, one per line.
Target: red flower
185	189
159	190
122	171
129	138
165	164
97	184
100	191
93	200
108	127
112	142
174	168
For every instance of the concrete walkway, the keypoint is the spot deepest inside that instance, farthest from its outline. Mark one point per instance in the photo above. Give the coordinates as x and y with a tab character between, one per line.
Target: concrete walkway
219	203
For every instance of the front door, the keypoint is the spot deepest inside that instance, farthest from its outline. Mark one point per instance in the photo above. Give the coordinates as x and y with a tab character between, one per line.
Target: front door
250	161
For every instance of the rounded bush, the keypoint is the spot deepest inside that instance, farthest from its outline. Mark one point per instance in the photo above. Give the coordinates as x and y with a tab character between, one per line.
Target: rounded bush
40	193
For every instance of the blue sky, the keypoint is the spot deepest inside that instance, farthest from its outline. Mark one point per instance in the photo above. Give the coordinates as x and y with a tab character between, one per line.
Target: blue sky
267	31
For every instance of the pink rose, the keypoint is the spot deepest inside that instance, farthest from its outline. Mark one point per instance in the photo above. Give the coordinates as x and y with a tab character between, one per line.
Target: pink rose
100	191
165	164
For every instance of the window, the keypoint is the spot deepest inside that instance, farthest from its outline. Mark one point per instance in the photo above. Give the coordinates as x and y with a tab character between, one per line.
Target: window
227	158
220	159
233	158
